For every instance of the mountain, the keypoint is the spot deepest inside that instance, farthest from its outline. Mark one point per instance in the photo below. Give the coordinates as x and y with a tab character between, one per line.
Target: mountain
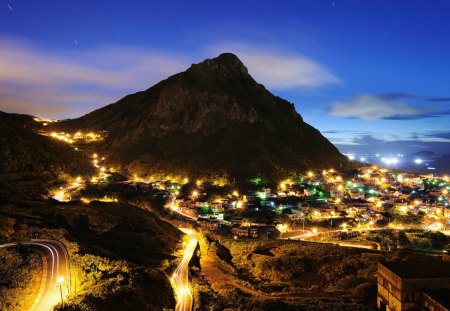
30	162
213	118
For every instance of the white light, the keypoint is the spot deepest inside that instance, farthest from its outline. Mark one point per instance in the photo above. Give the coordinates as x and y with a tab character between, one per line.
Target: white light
389	160
418	161
363	159
377	155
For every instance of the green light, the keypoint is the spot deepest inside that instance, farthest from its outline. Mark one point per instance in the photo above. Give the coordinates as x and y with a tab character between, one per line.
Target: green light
262	195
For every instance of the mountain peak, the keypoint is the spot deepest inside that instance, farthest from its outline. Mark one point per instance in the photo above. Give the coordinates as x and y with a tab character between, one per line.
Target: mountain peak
225	63
213	118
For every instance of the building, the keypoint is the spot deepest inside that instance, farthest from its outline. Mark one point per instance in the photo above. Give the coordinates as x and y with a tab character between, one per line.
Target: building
437	300
256	231
402	285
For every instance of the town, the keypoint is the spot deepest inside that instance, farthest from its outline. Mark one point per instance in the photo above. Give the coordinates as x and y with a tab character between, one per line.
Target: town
366	208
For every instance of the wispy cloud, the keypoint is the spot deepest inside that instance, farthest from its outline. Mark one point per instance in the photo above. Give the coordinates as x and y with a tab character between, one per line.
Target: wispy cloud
46	81
278	69
371	107
439	99
394	96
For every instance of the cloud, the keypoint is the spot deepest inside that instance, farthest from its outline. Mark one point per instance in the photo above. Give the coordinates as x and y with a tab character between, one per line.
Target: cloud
394	96
280	70
438	136
367	140
46	81
370	107
439	99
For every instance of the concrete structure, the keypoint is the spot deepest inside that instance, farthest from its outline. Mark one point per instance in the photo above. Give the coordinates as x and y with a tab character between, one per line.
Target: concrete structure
438	300
401	283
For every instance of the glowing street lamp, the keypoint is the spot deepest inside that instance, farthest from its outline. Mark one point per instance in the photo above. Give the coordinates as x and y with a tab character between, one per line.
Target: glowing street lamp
60	283
194	193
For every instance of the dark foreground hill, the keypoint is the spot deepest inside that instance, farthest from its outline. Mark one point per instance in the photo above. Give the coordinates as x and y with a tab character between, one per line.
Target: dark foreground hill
214	118
119	253
30	162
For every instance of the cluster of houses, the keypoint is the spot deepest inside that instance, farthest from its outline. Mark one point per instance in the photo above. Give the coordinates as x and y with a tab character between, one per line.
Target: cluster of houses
367	197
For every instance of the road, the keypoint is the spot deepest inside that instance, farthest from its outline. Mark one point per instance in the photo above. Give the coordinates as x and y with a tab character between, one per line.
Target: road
172	206
56	282
180	280
61	195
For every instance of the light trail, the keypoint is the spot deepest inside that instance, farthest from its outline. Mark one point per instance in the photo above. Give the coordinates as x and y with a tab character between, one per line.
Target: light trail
57	269
172	206
180	279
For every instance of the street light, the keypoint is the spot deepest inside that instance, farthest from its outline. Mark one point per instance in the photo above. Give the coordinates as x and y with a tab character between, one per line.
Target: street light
60	283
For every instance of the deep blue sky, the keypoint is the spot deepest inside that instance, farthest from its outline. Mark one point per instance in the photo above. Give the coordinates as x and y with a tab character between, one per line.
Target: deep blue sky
372	75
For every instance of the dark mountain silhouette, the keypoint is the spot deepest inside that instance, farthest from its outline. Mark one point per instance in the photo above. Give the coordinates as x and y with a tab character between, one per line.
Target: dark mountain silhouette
214	118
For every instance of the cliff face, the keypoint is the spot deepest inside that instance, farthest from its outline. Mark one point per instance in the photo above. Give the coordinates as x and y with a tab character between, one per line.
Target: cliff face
212	118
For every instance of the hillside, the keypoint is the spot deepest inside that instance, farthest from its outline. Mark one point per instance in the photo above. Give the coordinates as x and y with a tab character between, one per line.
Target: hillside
30	162
214	118
119	253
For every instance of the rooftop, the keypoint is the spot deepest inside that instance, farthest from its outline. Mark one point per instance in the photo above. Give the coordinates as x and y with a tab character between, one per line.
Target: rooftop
419	269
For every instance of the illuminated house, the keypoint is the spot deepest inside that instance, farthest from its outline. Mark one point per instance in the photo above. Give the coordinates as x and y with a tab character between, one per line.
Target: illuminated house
412	285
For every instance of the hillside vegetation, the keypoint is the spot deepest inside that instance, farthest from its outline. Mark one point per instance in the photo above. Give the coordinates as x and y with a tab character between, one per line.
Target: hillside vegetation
29	162
119	253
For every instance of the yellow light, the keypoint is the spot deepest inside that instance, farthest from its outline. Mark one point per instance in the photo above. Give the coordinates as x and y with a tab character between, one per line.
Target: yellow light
195	193
95	155
177	192
60	279
102	169
239	204
283	186
310	174
344	225
78	179
314	230
235	193
199	182
282	228
186	180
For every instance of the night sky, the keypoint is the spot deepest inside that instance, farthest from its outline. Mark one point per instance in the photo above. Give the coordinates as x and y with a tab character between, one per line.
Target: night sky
372	76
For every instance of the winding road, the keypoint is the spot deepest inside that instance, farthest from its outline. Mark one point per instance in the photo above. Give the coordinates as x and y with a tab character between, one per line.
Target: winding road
180	280
55	285
172	206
